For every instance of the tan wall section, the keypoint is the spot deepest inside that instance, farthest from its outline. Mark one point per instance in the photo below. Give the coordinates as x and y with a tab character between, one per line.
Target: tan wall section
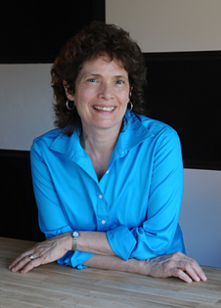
169	25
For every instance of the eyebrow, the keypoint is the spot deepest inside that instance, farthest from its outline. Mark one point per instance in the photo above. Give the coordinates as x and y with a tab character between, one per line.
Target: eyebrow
99	75
120	76
88	74
94	74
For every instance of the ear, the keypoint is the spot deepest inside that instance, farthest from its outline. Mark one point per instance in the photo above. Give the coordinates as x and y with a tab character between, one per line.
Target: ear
131	88
69	96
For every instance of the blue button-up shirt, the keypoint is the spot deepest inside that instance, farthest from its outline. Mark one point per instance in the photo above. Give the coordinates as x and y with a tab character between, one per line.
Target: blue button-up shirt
137	201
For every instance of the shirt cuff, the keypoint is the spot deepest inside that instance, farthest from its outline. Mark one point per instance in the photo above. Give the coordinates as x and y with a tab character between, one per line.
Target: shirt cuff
75	259
121	241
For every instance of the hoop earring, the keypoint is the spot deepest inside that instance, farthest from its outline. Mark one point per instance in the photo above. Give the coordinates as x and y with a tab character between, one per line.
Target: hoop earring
68	107
131	105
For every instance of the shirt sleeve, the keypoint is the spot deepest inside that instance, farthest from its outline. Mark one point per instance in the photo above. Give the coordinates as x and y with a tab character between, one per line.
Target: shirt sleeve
155	236
51	218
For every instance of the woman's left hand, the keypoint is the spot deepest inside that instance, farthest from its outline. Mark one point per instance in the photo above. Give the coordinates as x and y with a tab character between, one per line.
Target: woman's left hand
175	264
42	253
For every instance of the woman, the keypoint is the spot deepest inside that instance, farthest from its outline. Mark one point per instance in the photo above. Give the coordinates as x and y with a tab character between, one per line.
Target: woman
108	182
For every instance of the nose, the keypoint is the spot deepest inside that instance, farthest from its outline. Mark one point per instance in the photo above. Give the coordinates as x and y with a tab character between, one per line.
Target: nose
106	91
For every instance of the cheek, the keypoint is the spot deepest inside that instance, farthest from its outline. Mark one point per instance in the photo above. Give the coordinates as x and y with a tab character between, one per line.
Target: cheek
85	96
83	102
124	97
124	92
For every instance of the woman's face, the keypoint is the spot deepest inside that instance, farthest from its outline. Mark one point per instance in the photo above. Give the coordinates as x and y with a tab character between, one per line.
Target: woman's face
101	94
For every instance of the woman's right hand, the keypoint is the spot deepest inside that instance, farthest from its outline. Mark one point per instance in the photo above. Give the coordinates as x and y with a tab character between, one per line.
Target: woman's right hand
175	264
42	253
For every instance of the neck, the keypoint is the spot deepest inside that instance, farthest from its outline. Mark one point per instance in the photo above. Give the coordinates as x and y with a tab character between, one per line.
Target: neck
99	145
99	142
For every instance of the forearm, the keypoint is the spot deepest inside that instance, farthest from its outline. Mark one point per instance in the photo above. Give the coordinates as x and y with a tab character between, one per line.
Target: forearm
176	264
116	263
94	242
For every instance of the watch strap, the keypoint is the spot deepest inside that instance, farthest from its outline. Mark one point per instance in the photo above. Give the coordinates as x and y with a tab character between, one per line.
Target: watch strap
74	243
75	235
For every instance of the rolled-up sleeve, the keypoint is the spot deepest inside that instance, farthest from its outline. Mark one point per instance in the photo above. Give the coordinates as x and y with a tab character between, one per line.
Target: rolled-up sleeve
156	234
52	220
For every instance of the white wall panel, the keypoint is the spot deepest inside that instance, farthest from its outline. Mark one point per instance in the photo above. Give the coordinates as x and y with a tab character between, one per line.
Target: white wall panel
201	216
26	104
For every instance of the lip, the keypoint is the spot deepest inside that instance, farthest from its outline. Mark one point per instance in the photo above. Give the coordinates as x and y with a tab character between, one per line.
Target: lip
103	108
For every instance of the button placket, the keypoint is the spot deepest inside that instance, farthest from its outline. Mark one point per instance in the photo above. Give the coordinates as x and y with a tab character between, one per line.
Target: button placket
101	211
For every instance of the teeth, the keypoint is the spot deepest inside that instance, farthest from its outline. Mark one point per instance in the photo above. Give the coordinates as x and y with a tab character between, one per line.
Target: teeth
104	108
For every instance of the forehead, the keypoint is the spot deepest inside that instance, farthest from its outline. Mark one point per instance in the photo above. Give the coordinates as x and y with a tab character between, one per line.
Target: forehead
103	63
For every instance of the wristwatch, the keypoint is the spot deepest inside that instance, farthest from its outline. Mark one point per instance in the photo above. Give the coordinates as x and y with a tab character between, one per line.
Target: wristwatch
75	235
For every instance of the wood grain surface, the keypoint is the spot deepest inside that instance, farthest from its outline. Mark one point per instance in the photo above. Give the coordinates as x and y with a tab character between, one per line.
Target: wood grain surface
53	285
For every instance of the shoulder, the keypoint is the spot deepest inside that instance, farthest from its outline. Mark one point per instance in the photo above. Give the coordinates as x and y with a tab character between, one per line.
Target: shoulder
164	140
154	127
46	139
54	142
140	129
165	137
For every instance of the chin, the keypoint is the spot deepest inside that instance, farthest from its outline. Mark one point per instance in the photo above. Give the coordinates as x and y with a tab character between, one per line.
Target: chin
109	125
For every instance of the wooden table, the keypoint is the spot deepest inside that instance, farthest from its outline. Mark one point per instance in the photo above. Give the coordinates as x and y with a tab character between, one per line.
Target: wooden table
53	285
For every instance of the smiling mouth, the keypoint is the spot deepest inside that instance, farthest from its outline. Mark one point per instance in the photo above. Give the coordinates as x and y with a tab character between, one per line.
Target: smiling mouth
103	108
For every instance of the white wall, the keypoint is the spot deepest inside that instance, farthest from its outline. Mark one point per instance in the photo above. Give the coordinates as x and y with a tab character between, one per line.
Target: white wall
26	104
201	215
182	25
157	25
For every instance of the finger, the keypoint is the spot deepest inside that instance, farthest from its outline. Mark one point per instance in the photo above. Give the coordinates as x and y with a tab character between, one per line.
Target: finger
189	269
199	271
17	260
19	265
192	268
176	272
20	262
20	257
29	266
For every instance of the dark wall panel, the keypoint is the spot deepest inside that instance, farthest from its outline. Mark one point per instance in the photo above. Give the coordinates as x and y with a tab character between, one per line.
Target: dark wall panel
184	90
34	32
19	215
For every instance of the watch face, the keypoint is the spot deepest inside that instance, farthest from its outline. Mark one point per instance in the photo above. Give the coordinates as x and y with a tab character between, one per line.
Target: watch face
75	234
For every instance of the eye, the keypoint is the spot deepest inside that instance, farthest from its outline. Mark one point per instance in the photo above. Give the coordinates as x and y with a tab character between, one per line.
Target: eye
120	81
92	80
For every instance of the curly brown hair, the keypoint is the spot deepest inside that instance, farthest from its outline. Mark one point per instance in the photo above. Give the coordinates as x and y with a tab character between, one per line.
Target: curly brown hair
96	39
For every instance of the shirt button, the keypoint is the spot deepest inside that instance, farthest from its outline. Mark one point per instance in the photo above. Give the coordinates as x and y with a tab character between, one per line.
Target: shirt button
100	196
103	222
107	171
122	152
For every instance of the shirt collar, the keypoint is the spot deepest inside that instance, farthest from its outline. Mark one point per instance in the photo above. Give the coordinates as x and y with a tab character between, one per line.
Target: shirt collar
134	132
67	145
